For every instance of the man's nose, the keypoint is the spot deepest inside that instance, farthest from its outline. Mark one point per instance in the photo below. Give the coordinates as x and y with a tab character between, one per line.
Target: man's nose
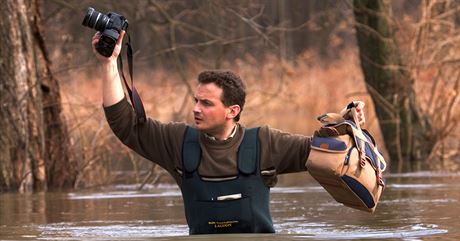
196	108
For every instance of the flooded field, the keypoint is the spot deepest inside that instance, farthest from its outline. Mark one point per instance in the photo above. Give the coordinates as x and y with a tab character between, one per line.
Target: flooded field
414	206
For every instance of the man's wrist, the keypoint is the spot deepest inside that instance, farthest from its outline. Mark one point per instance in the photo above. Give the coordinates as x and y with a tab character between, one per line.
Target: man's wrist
109	66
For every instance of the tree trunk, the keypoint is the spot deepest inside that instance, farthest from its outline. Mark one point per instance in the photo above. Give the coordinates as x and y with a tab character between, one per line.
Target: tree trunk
390	85
33	144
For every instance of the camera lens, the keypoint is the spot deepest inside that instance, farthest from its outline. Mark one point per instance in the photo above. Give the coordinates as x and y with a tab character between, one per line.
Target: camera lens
95	19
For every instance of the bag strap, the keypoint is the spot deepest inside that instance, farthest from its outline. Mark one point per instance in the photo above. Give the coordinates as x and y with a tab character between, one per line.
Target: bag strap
362	140
330	118
133	94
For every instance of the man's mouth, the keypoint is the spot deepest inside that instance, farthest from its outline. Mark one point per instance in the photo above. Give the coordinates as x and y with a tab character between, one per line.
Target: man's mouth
198	119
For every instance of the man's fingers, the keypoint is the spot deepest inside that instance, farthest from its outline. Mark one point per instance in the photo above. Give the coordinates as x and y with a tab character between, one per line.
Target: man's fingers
96	38
361	119
359	105
120	39
97	35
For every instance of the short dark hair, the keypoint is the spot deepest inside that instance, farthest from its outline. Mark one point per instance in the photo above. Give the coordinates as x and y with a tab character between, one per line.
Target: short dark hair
234	91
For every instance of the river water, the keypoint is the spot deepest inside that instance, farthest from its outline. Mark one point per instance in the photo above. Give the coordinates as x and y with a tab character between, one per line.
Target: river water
414	206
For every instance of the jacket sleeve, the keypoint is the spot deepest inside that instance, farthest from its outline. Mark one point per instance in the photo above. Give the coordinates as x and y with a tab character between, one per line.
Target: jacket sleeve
156	141
283	152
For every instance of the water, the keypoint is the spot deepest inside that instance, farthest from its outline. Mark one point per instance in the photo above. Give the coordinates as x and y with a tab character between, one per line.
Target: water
416	206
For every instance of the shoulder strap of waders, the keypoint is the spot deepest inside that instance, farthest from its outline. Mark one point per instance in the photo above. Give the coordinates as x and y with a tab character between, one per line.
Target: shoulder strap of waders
248	152
133	94
191	150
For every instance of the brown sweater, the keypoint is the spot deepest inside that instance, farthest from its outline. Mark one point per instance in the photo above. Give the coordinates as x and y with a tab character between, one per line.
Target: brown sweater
161	143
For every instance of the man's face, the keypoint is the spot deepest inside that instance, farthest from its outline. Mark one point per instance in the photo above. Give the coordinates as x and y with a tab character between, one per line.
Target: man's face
210	113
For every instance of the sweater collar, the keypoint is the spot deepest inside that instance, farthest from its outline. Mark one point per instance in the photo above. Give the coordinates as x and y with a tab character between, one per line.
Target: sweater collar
212	138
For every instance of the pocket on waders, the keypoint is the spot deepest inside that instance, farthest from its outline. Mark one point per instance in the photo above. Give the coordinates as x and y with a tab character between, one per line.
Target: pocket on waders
223	216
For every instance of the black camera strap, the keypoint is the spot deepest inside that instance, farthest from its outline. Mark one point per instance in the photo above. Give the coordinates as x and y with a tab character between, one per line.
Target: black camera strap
133	94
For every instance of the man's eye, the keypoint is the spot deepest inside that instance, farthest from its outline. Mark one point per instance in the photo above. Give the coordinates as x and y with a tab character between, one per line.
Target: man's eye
207	103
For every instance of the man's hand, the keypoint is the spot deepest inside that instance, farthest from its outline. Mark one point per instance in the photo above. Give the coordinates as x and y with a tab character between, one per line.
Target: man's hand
116	50
112	90
360	110
359	105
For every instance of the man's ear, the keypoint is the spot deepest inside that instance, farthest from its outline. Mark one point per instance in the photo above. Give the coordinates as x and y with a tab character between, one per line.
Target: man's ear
233	111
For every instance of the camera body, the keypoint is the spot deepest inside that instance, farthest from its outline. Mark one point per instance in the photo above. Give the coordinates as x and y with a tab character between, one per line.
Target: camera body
110	25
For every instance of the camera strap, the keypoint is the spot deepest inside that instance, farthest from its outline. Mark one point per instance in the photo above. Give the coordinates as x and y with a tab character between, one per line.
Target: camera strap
133	94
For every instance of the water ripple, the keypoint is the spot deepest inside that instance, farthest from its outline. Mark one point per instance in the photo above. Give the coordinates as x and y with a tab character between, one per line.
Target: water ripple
123	194
417	186
92	230
323	231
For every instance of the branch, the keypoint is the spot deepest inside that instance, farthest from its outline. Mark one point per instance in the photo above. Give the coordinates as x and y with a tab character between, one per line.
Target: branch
256	27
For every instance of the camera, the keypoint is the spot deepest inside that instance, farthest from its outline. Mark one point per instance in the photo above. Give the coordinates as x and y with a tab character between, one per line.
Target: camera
110	25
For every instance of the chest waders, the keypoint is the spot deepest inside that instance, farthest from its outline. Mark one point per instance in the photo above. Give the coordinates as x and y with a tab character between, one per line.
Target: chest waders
240	205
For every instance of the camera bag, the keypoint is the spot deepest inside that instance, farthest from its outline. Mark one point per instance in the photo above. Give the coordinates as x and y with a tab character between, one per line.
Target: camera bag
345	161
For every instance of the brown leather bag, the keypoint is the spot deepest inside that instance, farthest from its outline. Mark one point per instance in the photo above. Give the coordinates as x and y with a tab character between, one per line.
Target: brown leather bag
345	161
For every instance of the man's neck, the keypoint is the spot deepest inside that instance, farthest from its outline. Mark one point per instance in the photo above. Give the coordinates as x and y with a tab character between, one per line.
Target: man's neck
227	133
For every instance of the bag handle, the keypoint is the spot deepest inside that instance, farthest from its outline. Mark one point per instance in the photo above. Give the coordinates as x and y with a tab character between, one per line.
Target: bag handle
335	118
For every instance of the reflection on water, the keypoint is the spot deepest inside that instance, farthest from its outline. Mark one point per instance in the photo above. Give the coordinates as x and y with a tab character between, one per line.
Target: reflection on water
124	194
110	230
416	206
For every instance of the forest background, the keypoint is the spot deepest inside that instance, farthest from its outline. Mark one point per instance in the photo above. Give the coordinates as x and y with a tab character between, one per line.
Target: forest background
298	58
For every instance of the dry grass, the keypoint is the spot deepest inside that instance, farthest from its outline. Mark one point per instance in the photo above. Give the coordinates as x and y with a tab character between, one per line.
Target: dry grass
284	95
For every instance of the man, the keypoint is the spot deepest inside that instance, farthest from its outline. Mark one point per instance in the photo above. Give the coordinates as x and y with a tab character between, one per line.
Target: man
224	169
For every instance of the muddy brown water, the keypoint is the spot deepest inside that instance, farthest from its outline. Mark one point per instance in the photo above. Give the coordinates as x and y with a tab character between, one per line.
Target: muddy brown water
414	206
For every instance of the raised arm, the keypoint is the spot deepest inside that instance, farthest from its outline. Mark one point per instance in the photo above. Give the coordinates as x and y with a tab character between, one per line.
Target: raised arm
112	89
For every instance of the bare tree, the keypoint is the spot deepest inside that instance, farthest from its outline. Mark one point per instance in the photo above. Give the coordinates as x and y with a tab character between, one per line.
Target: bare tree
390	83
33	144
416	97
435	60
